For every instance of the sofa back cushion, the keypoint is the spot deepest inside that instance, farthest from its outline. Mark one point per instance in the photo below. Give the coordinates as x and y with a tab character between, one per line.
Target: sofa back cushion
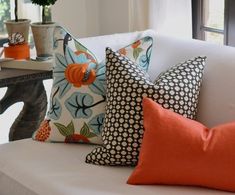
217	93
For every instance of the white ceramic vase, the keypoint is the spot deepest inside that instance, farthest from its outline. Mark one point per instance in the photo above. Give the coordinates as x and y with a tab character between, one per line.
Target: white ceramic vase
43	38
22	27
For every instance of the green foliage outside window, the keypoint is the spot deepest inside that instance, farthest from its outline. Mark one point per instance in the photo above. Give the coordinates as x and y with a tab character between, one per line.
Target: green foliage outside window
45	10
4	14
5	11
48	14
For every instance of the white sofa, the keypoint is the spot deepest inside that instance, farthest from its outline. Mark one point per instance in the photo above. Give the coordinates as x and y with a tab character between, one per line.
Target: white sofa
29	168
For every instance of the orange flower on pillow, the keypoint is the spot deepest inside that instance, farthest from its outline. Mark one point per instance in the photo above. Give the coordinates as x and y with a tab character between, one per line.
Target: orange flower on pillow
77	73
136	44
44	131
122	51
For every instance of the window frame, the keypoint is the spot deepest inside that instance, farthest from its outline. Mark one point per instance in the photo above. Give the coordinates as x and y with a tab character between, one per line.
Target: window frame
229	22
36	17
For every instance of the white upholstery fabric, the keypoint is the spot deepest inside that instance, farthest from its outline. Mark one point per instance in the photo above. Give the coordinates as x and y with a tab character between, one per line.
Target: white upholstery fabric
32	168
116	41
217	99
29	168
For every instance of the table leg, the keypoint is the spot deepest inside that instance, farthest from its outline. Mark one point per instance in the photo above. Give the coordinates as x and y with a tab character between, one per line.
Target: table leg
34	97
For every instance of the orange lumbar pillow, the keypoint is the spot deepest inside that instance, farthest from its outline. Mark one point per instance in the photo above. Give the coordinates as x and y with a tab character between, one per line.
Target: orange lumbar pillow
179	151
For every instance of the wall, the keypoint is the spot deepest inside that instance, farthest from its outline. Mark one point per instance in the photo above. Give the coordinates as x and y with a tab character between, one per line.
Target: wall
98	17
114	16
80	17
171	17
138	14
86	18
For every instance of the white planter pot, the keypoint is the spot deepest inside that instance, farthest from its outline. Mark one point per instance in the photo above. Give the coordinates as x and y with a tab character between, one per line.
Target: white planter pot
43	38
22	27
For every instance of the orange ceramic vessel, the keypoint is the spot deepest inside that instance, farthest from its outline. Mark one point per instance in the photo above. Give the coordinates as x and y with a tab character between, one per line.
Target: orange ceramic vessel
18	52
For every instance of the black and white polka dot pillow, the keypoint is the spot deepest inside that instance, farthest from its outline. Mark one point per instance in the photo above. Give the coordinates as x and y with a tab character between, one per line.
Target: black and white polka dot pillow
176	89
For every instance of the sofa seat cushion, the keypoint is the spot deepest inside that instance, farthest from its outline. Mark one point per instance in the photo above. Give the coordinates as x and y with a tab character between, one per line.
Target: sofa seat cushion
29	168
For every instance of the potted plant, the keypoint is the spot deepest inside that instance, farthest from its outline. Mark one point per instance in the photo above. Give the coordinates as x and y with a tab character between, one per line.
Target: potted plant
43	31
18	32
18	25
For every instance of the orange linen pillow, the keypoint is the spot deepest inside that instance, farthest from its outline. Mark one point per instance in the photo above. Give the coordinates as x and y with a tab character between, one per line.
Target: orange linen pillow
179	151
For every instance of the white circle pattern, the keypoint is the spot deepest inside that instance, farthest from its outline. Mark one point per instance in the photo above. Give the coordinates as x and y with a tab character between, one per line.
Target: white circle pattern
176	89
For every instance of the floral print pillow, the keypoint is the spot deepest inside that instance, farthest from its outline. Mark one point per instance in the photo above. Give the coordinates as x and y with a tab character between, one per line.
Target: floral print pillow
78	96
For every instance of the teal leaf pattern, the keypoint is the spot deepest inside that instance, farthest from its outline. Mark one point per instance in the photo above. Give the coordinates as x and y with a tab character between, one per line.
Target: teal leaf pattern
55	108
96	123
79	105
148	39
59	35
100	72
70	56
61	63
98	87
143	61
58	74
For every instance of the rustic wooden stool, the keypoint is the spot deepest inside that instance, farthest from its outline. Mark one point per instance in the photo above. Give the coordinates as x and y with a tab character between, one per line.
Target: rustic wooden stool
24	86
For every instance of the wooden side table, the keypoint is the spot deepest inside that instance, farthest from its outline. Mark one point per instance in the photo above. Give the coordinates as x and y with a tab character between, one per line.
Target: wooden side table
24	86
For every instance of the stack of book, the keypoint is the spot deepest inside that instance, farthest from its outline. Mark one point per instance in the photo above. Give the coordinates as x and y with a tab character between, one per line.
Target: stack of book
26	64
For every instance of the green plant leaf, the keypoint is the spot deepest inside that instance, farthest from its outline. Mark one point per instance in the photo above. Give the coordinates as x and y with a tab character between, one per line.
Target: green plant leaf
85	130
136	52
65	131
70	128
44	2
79	47
91	134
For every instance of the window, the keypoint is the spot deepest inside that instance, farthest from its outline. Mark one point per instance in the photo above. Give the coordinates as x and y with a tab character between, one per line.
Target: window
25	8
213	21
4	15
